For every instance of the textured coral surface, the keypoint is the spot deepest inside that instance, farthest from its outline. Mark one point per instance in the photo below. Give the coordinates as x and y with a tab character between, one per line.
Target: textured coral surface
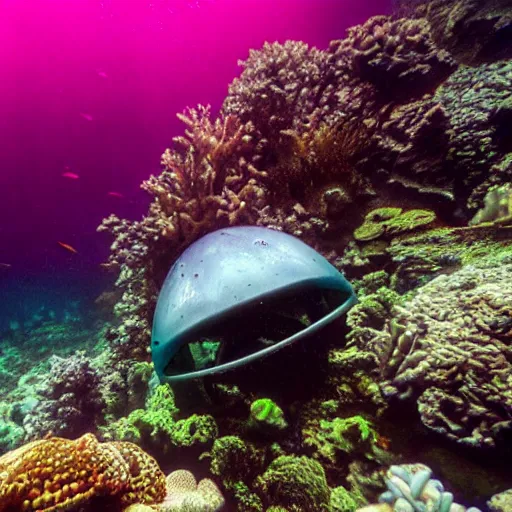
59	474
450	348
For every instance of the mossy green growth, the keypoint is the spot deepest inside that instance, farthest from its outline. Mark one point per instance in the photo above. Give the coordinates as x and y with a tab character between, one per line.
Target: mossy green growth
371	282
245	499
295	483
151	427
374	309
11	436
348	435
196	430
234	459
344	501
266	416
391	222
479	246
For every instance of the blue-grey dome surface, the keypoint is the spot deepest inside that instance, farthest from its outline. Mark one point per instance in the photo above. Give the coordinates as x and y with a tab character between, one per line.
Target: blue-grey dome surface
228	269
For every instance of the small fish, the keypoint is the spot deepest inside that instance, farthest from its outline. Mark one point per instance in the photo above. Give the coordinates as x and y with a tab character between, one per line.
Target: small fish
115	194
68	247
87	117
383	442
5	265
70	175
102	74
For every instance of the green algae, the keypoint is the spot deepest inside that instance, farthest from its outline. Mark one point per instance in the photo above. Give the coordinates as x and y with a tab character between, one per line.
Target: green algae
348	435
295	483
234	459
266	416
195	430
344	501
245	499
388	222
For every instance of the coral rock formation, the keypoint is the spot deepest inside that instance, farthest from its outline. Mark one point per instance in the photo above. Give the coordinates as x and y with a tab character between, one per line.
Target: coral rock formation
450	348
59	474
185	493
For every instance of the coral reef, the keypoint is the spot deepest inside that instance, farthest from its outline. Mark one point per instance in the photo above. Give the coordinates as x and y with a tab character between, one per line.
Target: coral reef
377	152
266	416
305	140
475	32
397	56
410	488
449	348
59	474
295	483
185	493
70	399
501	502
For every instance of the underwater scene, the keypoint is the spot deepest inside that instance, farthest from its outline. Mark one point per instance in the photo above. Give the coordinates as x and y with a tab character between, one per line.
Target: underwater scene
256	256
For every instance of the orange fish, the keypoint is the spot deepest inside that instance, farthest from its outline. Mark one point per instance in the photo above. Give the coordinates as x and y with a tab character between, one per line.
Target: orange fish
70	175
383	442
68	247
87	117
114	194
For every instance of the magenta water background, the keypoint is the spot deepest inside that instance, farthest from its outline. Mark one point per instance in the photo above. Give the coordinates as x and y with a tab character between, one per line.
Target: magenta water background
94	86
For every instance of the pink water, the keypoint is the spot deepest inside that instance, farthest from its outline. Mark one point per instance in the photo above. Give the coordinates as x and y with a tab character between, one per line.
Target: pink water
91	87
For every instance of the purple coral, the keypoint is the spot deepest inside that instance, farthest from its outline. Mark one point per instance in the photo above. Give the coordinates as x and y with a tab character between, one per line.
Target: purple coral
397	56
70	400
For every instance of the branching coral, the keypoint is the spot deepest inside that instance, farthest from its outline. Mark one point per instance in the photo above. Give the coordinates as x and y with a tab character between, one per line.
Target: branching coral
209	182
410	487
59	474
280	87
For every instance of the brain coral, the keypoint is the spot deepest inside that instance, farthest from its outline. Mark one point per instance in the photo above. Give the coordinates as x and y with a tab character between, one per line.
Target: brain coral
450	348
59	474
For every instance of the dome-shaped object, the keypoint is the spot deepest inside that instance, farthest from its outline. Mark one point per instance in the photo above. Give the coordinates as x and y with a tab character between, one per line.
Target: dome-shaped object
225	276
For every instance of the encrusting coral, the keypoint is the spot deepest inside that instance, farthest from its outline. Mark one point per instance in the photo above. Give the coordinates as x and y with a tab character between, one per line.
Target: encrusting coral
59	474
448	347
296	483
475	32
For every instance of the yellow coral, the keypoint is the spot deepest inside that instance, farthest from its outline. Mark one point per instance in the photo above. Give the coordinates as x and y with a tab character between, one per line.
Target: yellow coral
59	474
